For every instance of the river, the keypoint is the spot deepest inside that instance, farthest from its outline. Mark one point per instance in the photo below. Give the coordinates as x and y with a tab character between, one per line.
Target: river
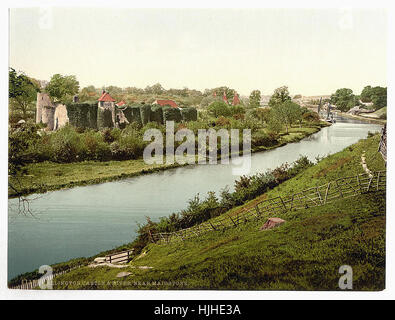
86	220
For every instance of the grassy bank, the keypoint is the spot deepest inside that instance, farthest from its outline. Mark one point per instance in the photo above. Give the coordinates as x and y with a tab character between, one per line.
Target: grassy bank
46	176
305	253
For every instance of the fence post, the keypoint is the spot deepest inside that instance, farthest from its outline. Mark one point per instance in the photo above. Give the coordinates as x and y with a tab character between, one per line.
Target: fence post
212	225
282	201
232	220
340	190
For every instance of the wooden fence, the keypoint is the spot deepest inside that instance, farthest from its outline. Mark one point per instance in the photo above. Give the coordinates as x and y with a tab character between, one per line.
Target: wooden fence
32	284
119	257
316	196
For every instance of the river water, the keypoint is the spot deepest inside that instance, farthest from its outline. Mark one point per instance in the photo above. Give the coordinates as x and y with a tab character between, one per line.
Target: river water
86	220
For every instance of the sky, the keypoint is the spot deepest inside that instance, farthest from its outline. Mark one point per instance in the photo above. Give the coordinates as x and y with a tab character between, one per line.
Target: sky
312	51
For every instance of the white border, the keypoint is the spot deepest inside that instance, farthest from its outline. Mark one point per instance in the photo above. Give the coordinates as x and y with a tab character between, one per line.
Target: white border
5	293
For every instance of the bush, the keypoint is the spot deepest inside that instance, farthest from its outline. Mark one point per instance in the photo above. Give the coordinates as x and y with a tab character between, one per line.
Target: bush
189	114
156	114
145	113
219	108
132	114
171	114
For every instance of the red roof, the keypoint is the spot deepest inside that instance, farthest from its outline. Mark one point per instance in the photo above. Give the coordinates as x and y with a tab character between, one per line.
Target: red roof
106	97
167	103
121	103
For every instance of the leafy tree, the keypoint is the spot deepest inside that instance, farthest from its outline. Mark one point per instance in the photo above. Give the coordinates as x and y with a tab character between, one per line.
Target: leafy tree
62	88
344	99
287	113
219	92
88	93
22	91
376	95
219	108
155	89
255	99
279	96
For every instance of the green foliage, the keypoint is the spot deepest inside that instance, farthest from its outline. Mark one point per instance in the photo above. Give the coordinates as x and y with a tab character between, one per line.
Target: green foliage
279	96
255	99
82	115
189	114
344	99
22	92
218	109
376	95
156	114
20	141
171	114
62	88
104	118
132	113
145	113
286	113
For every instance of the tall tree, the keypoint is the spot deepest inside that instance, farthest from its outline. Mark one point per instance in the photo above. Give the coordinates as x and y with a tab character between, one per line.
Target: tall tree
344	99
255	99
62	88
279	96
287	113
22	91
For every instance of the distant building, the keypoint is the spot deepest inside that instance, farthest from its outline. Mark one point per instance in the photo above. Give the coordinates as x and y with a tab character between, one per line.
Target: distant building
163	103
120	103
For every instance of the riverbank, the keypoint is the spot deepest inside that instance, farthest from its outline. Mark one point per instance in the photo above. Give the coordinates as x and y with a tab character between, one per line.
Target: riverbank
305	253
346	162
365	119
49	176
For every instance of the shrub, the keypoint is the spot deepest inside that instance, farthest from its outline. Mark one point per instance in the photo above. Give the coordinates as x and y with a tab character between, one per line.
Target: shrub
219	108
156	114
171	114
189	114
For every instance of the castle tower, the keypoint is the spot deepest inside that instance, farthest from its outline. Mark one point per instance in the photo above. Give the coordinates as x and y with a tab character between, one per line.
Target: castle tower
106	110
45	110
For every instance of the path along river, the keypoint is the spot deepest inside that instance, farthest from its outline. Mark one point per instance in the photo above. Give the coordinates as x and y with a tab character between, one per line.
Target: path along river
86	220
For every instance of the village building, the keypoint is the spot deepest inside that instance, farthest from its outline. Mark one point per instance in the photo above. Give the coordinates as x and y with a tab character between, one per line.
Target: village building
163	103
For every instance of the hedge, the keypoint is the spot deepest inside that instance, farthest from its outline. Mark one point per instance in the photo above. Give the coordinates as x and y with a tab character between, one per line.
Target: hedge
82	115
156	114
189	114
132	113
145	113
171	114
104	118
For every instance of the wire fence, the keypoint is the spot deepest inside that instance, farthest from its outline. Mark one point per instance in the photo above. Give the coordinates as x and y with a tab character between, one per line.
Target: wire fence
344	187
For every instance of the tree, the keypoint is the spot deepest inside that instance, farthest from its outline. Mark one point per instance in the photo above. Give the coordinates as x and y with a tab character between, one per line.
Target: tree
279	96
62	88
219	108
287	113
22	91
255	99
376	95
344	99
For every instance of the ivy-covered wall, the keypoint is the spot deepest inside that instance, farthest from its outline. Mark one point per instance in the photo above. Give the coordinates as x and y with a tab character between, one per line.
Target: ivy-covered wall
82	115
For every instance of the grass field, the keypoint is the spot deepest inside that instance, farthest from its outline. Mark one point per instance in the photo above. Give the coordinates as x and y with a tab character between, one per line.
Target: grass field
304	253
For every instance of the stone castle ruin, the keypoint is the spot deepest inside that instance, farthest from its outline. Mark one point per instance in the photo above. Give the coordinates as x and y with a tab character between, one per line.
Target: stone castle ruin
105	113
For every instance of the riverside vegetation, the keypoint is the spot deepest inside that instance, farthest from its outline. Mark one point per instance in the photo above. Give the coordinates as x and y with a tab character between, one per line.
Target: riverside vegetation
303	254
40	161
